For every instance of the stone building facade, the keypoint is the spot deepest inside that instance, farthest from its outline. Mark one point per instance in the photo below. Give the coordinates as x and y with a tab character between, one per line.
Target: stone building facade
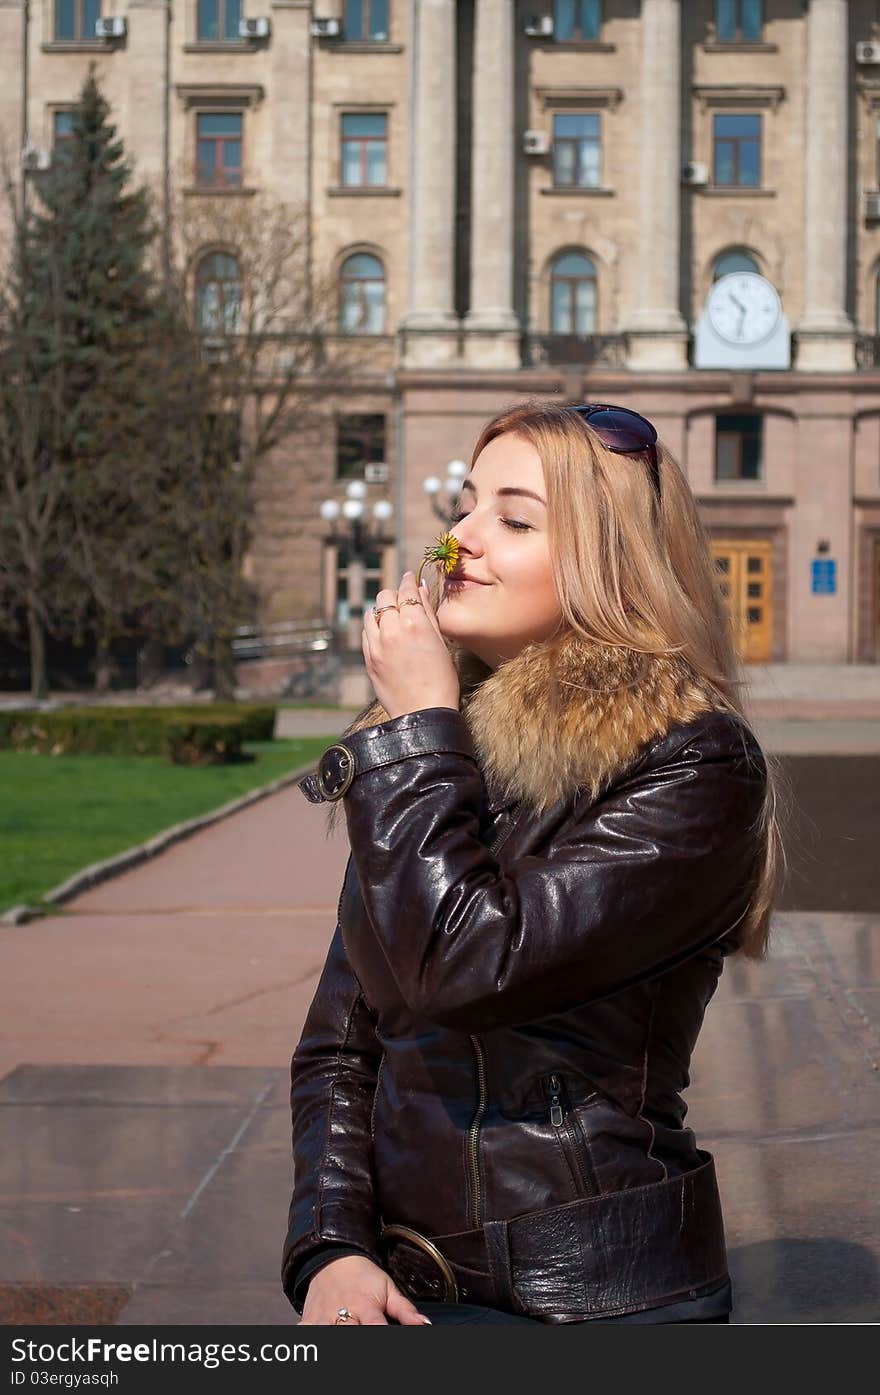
535	197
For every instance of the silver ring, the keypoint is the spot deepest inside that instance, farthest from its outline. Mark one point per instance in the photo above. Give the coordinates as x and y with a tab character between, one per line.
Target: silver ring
378	611
345	1316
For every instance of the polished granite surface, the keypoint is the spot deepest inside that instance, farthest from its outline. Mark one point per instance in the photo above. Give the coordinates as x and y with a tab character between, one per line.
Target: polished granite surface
159	1194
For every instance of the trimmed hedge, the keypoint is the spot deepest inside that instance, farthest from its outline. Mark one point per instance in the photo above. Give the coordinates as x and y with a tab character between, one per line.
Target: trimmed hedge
184	735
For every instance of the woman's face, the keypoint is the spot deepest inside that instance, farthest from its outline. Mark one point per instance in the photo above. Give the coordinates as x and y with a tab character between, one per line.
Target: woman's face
503	544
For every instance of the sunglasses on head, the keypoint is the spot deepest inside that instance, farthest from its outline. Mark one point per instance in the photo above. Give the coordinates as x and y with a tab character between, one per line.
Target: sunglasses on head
624	432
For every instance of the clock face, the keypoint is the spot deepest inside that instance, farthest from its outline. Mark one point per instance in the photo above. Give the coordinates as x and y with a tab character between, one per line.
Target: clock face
743	308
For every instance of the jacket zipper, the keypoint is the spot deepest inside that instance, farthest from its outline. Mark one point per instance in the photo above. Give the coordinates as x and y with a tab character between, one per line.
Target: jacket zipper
474	1196
573	1144
376	1096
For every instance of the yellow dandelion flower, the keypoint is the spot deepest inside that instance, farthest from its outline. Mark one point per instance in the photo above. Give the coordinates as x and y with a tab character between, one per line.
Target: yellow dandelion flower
444	552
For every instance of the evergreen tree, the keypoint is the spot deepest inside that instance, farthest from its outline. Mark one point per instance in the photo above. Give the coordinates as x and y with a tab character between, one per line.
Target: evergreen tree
34	483
89	237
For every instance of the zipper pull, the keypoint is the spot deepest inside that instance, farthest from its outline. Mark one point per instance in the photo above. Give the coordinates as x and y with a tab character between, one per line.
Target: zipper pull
555	1107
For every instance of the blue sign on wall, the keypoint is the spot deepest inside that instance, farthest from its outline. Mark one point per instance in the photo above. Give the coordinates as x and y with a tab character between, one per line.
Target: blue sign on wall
824	576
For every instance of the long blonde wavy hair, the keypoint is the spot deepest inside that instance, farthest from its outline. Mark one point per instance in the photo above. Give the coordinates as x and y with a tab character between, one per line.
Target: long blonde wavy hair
634	573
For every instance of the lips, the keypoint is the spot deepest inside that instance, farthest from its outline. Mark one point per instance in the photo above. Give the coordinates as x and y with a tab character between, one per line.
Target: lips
459	577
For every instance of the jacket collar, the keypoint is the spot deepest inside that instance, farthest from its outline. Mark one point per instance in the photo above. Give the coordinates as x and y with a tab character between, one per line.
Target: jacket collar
566	713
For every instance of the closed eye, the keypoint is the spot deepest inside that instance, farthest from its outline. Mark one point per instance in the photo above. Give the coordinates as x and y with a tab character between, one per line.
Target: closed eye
508	523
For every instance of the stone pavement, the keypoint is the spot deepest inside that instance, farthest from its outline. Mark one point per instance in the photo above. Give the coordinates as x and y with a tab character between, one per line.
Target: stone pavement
145	1039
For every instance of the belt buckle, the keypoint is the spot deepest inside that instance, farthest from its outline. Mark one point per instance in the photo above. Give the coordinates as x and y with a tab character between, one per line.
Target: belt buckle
404	1232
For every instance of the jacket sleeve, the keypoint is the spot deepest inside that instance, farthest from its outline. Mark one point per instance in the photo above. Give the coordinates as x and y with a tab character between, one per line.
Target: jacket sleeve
333	1074
644	877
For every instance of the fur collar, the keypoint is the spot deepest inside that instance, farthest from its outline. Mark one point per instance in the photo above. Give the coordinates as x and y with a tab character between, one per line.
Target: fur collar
566	713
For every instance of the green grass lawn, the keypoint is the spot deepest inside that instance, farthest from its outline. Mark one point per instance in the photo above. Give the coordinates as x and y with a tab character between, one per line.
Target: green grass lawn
59	813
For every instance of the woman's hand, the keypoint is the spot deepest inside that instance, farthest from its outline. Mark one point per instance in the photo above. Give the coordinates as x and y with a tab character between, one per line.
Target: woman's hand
356	1283
405	653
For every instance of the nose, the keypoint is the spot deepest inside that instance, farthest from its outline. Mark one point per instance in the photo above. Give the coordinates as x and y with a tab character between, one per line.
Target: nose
467	535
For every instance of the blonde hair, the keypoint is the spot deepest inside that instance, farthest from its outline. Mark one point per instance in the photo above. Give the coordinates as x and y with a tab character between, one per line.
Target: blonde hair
635	572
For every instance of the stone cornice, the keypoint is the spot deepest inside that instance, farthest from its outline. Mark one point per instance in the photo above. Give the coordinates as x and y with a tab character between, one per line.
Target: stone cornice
217	94
588	96
723	94
869	90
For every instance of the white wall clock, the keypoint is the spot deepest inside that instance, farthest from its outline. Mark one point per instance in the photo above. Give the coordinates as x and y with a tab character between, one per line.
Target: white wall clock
743	308
742	325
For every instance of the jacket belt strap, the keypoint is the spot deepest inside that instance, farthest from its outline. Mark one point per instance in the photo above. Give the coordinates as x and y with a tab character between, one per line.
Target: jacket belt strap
616	1253
628	1250
498	1252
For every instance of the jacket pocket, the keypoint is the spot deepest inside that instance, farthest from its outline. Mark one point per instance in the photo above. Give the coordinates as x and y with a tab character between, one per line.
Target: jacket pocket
570	1134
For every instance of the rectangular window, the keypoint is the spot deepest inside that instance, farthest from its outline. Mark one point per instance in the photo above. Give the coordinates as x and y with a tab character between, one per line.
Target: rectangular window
737	151
76	19
739	446
577	19
62	126
364	149
739	21
366	19
577	151
218	20
360	438
218	145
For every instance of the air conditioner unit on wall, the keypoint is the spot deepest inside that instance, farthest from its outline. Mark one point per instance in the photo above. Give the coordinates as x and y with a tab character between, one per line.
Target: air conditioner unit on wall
868	52
376	472
535	142
539	27
110	27
872	206
694	173
254	28
325	28
35	158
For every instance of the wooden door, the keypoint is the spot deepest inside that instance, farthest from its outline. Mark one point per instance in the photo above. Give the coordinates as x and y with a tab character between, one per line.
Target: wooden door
743	567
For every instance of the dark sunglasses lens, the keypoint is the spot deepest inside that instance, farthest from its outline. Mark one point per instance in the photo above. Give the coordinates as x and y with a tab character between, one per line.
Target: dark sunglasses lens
619	429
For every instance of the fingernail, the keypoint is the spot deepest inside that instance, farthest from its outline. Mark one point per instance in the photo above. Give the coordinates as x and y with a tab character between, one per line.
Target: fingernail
427	1322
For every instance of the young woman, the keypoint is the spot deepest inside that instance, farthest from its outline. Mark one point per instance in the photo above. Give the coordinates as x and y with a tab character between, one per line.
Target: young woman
560	824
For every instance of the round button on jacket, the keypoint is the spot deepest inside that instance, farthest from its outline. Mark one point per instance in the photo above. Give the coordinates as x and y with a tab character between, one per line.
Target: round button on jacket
336	771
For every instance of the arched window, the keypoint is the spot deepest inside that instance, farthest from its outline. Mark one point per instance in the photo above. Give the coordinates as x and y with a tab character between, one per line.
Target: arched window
573	294
735	260
362	295
218	294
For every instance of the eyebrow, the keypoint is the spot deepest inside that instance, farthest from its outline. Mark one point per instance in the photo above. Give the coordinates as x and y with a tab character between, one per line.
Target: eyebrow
526	493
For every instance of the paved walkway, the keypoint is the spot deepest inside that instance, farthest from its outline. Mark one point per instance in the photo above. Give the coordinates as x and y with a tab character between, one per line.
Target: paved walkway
145	1040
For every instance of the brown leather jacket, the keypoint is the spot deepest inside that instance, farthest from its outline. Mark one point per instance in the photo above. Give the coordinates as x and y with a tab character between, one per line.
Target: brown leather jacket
541	890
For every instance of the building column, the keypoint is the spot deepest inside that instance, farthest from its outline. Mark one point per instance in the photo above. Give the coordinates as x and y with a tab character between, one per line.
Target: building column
430	324
819	624
493	328
657	333
825	333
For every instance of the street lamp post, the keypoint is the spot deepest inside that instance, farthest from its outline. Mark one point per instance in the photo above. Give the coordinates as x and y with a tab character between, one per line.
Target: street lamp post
449	489
359	532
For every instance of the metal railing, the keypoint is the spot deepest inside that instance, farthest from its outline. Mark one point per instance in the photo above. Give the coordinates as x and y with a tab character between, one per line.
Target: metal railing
867	350
283	639
601	350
